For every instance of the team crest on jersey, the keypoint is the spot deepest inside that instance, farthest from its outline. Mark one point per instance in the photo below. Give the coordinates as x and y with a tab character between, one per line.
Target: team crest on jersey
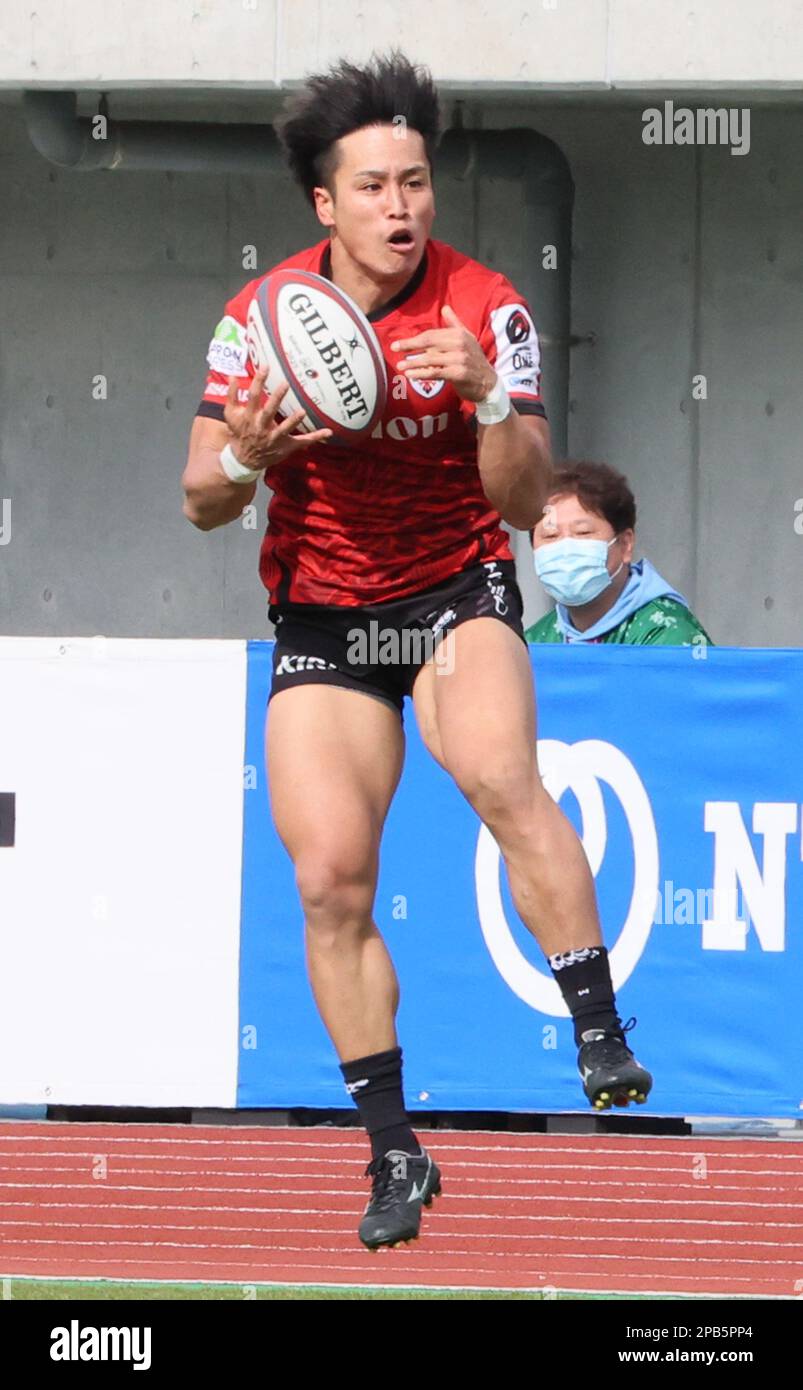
427	389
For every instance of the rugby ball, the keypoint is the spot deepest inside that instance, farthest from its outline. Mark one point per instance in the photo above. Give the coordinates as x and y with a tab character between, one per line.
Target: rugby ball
312	335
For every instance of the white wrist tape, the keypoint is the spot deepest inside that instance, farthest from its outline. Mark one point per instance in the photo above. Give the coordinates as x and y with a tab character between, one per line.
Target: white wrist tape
495	407
235	470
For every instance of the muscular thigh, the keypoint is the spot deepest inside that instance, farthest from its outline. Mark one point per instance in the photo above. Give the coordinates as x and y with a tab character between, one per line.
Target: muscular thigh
478	718
334	759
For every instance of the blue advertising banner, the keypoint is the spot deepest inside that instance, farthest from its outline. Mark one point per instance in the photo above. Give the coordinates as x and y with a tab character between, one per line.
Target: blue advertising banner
682	769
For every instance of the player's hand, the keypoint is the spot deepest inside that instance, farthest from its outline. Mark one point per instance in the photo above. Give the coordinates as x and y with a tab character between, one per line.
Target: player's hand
447	354
259	441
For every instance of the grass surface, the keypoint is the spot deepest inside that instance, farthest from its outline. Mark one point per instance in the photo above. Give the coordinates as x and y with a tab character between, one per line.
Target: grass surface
110	1291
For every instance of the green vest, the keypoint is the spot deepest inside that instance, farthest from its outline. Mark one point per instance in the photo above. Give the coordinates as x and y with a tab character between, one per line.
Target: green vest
661	621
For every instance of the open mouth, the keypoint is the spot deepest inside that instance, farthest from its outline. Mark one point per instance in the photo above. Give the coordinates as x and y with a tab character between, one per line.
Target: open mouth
401	241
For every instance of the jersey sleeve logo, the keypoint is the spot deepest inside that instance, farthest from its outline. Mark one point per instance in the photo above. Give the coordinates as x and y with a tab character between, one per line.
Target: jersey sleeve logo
228	351
518	355
518	327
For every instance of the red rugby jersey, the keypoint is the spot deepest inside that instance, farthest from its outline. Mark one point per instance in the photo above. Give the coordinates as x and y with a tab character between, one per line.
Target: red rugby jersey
403	509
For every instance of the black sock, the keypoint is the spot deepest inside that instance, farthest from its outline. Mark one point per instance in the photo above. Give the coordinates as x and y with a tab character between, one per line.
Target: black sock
375	1085
584	978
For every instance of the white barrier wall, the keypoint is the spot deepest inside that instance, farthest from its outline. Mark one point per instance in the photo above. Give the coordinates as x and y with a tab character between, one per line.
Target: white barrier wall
120	897
151	936
264	43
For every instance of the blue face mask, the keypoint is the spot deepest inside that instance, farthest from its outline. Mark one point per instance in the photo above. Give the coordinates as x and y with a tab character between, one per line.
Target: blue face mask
574	571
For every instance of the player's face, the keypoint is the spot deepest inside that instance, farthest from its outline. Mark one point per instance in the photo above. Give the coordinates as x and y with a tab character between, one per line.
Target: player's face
566	516
383	205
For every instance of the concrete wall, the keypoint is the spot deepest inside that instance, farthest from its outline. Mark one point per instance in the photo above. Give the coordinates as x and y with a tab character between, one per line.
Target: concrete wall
263	43
687	261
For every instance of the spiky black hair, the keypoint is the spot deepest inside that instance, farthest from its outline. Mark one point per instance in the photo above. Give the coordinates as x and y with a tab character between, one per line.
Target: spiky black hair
346	98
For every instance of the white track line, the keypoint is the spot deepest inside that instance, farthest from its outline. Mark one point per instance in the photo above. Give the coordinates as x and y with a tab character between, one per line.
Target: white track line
486	1179
359	1192
322	1157
336	1168
445	1141
615	1191
272	1250
107	1207
336	1233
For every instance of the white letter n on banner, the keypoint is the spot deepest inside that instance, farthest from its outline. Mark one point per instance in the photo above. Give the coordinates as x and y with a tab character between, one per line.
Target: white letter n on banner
764	891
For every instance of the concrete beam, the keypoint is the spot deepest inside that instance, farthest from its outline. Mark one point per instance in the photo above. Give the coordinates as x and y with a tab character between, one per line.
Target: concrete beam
519	45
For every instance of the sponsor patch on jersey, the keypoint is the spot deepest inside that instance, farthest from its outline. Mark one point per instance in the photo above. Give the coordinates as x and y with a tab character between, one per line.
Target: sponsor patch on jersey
518	326
518	355
427	388
228	351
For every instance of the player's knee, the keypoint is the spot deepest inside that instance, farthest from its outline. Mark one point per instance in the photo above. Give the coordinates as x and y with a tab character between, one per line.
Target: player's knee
334	892
503	796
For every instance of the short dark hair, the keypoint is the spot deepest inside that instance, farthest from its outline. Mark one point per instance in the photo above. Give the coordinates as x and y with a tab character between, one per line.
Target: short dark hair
346	98
600	489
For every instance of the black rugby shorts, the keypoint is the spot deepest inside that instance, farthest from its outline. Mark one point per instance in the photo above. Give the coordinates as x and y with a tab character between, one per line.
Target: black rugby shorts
379	649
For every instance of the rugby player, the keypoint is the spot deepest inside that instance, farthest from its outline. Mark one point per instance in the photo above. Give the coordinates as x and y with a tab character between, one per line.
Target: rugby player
401	529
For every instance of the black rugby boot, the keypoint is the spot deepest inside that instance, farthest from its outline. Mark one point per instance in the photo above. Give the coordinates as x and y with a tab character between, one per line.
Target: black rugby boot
611	1075
402	1184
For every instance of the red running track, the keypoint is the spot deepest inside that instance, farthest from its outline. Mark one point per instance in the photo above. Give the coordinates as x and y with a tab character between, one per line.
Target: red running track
518	1211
